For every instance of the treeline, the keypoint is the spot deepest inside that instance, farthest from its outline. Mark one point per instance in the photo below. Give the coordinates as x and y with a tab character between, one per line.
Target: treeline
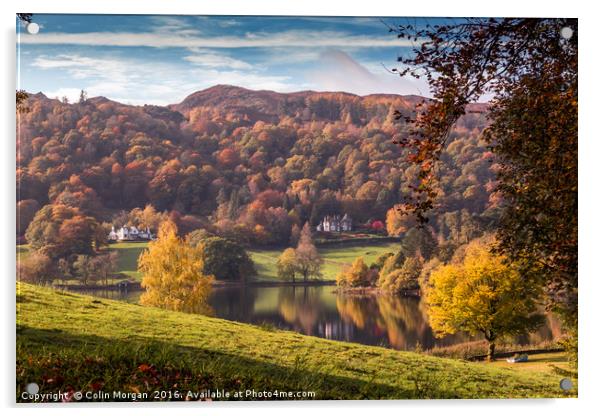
467	287
254	166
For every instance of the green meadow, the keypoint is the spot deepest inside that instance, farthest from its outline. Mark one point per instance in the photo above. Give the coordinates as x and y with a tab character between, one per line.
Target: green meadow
335	258
74	342
127	263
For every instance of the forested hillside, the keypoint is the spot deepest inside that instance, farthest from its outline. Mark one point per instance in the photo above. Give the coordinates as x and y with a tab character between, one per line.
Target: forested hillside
254	165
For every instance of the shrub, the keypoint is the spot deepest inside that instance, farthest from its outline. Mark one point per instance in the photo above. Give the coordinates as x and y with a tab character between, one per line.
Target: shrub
405	278
358	275
36	268
225	259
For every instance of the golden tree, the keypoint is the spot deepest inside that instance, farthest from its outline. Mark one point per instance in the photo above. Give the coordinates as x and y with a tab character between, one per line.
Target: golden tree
172	274
287	264
355	276
484	294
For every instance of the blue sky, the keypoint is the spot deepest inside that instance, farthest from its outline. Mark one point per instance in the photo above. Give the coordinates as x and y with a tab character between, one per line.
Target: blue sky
162	59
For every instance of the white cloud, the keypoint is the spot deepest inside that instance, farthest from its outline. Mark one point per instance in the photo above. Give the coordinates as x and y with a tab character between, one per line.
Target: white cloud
249	80
72	94
187	39
220	22
274	56
109	77
83	67
137	82
212	59
356	21
168	24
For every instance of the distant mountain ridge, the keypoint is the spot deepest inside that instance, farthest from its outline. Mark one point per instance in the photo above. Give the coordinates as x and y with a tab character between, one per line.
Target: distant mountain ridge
269	104
229	96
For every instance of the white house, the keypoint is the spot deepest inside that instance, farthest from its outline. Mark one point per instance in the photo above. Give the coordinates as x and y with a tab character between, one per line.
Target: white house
335	223
130	234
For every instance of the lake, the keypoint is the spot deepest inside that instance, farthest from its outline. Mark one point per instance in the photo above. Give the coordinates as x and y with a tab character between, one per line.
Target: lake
390	321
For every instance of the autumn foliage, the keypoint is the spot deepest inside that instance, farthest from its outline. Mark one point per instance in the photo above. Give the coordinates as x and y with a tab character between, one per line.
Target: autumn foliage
251	165
483	295
529	68
172	274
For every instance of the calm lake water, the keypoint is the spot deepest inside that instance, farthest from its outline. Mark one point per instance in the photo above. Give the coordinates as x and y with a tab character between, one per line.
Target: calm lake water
390	321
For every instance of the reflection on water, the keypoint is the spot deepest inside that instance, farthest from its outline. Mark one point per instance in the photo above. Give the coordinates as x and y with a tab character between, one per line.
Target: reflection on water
390	321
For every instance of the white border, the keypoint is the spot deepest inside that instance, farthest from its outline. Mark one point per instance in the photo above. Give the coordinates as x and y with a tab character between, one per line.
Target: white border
589	185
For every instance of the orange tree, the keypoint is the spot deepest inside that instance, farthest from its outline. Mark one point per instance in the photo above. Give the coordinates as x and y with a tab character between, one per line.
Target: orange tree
528	67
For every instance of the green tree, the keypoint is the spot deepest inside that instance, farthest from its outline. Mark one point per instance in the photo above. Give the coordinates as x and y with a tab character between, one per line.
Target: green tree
196	237
83	97
419	241
391	263
21	99
380	261
93	269
404	278
26	210
225	259
483	295
172	274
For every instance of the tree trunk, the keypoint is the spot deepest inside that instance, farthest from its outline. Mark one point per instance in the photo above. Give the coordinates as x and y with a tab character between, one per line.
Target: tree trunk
491	351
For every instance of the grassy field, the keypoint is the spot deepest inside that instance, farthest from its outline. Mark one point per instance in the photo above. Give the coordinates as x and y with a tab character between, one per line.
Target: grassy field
74	342
335	258
538	363
127	263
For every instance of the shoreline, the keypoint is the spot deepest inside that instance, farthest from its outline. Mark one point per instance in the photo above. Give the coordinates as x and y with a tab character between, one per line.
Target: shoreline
135	285
366	291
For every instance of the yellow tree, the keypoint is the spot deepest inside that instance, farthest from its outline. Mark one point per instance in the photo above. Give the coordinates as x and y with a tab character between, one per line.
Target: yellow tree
355	276
172	274
287	264
482	295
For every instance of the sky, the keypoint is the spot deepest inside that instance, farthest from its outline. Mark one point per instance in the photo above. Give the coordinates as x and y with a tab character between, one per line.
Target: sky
162	59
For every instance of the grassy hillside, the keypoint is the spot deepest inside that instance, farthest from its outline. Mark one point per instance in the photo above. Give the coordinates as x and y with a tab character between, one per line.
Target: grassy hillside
67	341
